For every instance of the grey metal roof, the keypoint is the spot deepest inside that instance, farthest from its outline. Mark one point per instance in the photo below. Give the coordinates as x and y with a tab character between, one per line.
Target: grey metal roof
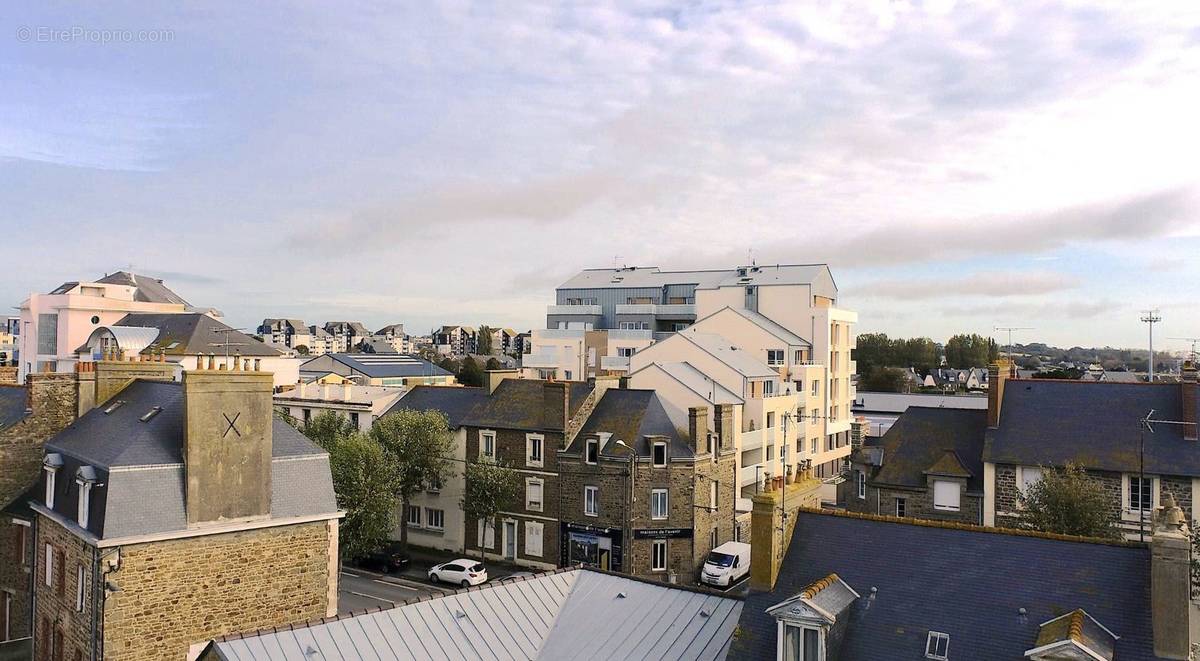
13	405
149	290
640	276
131	339
766	323
577	613
696	381
192	333
729	353
376	366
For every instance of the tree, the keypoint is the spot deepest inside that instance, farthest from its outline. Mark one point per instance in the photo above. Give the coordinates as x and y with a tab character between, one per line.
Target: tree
365	488
449	364
469	373
483	341
419	445
491	488
1070	502
966	351
326	429
492	364
885	379
873	350
301	349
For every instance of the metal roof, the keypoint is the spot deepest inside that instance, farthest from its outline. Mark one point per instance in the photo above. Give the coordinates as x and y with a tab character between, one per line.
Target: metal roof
376	365
576	613
149	290
727	352
131	339
696	381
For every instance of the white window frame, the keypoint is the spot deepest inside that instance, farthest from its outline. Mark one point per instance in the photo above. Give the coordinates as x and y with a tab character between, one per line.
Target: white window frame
1128	512
654	454
957	496
79	576
83	503
530	441
935	637
429	524
658	555
901	508
485	535
51	475
591	496
49	566
587	451
1022	481
23	536
535	530
781	632
658	513
768	388
408	517
487	437
713	496
540	504
779	361
814	416
860	479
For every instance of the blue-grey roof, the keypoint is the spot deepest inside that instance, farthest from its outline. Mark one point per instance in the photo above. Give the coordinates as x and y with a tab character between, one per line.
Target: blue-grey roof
1093	424
521	404
966	582
577	613
376	366
149	290
455	403
13	405
631	416
140	469
920	439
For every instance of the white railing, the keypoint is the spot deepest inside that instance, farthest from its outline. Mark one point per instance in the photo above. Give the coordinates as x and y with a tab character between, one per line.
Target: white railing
677	309
636	308
627	334
746	475
539	360
615	363
574	309
557	334
668	309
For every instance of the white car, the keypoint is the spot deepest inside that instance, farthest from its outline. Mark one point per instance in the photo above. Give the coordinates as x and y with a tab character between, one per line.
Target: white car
462	572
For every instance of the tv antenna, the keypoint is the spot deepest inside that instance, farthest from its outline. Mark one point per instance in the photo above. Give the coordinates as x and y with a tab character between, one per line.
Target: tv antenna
1009	330
1193	340
227	343
1151	317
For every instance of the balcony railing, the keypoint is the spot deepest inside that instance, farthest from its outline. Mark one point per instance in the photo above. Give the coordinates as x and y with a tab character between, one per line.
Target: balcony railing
574	309
615	363
666	310
627	334
539	360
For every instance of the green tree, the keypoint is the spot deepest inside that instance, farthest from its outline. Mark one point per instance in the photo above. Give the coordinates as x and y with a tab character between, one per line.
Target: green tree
301	349
885	379
492	364
965	351
873	350
449	364
483	341
469	373
1070	502
491	488
419	445
365	488
327	428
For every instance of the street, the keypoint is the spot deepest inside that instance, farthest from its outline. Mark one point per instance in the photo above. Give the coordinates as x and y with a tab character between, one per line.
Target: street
360	589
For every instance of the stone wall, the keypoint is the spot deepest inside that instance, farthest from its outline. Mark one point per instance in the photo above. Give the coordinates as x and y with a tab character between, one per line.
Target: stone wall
55	606
53	402
15	574
181	592
8	375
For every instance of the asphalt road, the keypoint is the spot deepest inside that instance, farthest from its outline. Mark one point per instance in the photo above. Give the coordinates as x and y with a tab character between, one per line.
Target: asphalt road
360	589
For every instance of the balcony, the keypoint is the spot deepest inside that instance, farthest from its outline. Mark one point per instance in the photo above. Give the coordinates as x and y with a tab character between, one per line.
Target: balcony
557	334
627	334
615	363
747	474
672	310
753	440
544	359
593	310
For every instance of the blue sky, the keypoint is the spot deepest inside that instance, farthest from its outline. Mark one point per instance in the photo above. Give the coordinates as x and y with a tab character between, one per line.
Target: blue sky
960	166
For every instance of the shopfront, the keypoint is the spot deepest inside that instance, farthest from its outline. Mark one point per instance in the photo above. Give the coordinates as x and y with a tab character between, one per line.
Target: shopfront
591	545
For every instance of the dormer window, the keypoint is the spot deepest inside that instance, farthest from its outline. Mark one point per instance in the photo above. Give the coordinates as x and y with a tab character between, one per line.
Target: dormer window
85	478
592	451
937	646
51	464
775	357
660	454
801	644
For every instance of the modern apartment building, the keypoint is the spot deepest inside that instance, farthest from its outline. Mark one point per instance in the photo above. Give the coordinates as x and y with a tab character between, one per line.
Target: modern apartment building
574	353
455	340
290	333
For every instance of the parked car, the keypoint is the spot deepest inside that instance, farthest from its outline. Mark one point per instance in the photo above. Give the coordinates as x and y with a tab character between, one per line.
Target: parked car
726	564
462	572
387	559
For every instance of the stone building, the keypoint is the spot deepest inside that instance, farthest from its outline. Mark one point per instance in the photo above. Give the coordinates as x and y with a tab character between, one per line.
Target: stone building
640	496
928	465
523	424
171	512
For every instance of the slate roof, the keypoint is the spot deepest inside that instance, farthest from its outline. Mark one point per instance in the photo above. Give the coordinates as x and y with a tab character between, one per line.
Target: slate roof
1095	425
574	613
376	366
140	465
631	416
968	582
519	404
149	290
13	405
191	333
455	403
919	440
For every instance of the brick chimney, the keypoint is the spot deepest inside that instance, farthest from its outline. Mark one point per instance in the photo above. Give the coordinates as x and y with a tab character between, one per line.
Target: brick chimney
698	429
724	427
1170	582
1190	392
228	418
556	403
998	373
858	431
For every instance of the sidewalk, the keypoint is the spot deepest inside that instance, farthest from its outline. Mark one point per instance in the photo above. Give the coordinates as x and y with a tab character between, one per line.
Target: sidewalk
425	558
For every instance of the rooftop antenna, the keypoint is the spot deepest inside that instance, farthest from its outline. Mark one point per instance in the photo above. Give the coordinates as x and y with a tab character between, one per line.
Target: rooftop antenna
227	343
1151	317
750	256
1193	340
1009	330
617	262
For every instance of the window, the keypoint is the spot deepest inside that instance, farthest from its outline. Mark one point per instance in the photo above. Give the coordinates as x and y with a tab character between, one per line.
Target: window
485	535
51	474
712	496
1141	494
901	507
770	419
533	538
768	388
813	416
83	503
945	495
797	360
435	484
861	479
354	419
567	375
801	644
22	540
658	504
79	578
816	388
591	501
1028	476
814	445
307	415
487	444
625	352
7	617
533	449
775	357
770	453
592	452
937	646
434	518
658	555
712	543
414	516
660	454
47	334
533	494
49	565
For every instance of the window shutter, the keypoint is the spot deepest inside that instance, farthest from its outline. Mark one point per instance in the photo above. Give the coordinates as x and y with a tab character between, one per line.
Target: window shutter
60	574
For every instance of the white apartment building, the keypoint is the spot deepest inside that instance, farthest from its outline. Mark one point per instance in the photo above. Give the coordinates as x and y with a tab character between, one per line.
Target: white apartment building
53	325
362	405
575	354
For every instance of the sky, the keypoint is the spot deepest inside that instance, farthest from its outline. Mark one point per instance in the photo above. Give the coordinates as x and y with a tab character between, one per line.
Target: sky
960	166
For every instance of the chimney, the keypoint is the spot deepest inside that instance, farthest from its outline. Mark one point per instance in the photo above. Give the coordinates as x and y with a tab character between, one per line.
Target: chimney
698	429
998	373
227	444
724	427
556	403
53	400
111	376
858	432
1170	582
493	378
1190	392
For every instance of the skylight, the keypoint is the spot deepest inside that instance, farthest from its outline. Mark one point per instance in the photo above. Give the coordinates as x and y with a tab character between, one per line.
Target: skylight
937	646
151	413
114	406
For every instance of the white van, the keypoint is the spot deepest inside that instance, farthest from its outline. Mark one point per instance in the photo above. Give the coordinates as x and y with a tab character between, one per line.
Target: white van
727	564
